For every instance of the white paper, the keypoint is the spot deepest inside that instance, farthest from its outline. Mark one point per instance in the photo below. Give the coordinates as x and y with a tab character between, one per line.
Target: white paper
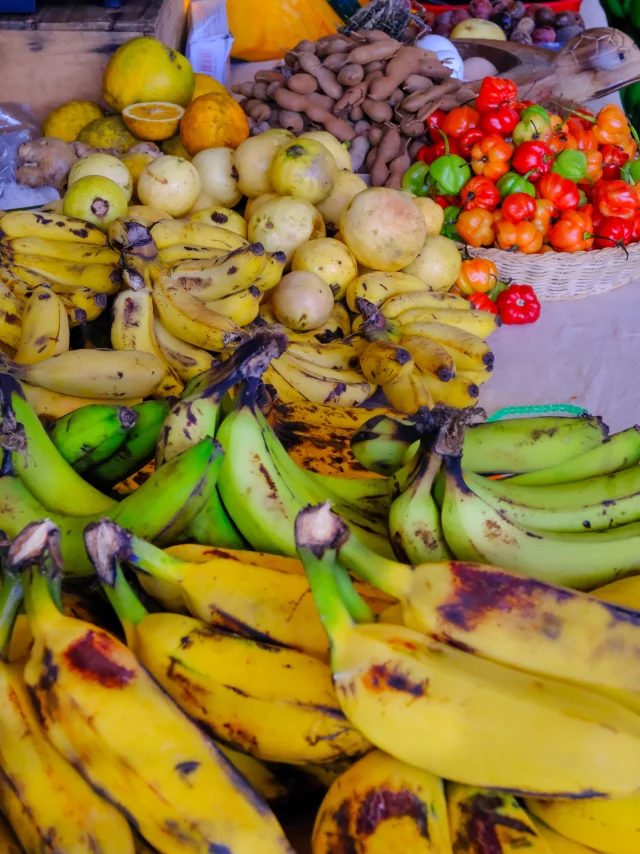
209	41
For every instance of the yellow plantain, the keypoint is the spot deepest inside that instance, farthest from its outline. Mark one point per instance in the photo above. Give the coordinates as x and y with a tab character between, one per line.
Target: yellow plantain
98	277
45	327
168	232
11	313
272	271
340	388
339	355
469	352
241	306
8	841
409	394
376	288
397	305
430	356
235	272
175	253
612	827
458	392
285	392
76	253
187	318
51	405
383	362
479	323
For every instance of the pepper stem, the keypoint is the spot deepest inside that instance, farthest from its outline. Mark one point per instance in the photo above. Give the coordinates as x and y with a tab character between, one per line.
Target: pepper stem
318	533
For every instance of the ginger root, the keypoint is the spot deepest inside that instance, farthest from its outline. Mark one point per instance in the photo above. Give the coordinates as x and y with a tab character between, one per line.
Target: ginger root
46	162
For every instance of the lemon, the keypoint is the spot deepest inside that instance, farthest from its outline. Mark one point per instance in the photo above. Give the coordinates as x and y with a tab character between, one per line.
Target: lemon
155	120
67	120
145	69
206	84
109	132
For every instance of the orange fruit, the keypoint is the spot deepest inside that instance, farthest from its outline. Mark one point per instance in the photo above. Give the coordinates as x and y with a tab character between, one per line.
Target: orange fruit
154	120
213	121
206	84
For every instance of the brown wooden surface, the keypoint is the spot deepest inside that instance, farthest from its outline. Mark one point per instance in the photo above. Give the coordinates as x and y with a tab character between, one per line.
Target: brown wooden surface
60	52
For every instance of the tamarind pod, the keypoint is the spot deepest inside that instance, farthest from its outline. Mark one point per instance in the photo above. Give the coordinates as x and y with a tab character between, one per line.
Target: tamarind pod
302	84
336	61
291	121
397	168
383	49
362	128
267	75
369	36
245	89
350	74
355	114
378	111
417	83
358	150
388	149
321	100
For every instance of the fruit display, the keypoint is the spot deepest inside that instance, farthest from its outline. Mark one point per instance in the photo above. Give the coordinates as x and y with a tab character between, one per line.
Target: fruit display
364	88
532	23
258	616
514	176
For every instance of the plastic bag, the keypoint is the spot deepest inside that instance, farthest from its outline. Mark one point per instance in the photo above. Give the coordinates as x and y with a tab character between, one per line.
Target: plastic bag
18	125
264	29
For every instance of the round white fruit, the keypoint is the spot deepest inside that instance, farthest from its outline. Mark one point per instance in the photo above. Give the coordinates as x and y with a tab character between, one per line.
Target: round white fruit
105	165
169	183
302	300
218	176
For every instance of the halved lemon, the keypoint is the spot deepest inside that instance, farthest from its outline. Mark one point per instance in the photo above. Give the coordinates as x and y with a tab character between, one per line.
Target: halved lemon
153	120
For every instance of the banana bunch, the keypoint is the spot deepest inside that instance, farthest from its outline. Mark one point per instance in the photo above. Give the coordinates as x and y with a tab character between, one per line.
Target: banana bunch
425	347
71	256
486	713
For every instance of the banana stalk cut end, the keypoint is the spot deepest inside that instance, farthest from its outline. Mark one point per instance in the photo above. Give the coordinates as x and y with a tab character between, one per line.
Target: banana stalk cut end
318	529
106	543
35	542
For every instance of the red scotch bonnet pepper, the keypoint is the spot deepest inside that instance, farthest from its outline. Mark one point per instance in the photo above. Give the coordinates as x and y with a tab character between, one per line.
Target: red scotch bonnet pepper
518	304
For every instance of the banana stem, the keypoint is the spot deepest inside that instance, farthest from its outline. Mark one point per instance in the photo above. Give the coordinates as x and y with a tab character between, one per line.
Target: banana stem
390	576
154	561
126	604
355	604
37	549
10	600
317	532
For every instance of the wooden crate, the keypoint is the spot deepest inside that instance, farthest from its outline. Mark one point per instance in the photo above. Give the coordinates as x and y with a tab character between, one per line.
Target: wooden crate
60	52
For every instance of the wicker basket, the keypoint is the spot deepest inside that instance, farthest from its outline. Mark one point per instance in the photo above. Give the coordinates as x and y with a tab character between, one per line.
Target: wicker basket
563	275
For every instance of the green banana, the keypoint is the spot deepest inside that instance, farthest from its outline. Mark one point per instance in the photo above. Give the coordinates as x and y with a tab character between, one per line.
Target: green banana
381	443
212	526
198	413
138	447
159	510
371	495
537	510
414	519
29	452
477	532
527	444
90	435
620	452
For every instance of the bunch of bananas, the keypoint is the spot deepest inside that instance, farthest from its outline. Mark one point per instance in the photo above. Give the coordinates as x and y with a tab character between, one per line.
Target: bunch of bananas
425	347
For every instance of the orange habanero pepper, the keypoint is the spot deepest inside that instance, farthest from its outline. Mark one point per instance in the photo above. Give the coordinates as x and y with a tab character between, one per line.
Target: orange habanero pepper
572	233
475	227
546	215
594	168
611	125
490	156
561	141
477	275
524	237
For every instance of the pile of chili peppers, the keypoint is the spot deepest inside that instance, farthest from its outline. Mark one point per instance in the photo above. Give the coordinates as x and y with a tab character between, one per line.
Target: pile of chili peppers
511	175
478	282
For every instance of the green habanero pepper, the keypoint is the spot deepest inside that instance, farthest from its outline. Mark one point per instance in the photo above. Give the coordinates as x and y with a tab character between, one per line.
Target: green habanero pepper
511	182
449	229
583	198
535	110
570	164
630	171
415	179
450	172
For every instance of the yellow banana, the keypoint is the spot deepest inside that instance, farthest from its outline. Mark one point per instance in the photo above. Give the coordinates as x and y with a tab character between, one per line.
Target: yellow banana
51	405
137	272
221	217
168	232
76	253
429	356
479	323
50	806
381	805
11	313
612	827
272	271
469	352
107	716
82	304
235	272
132	328
8	841
395	306
338	355
187	318
185	359
625	592
347	375
409	394
560	844
285	392
102	374
458	392
45	327
336	327
175	253
344	389
376	288
383	362
485	820
98	277
51	226
241	306
477	377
